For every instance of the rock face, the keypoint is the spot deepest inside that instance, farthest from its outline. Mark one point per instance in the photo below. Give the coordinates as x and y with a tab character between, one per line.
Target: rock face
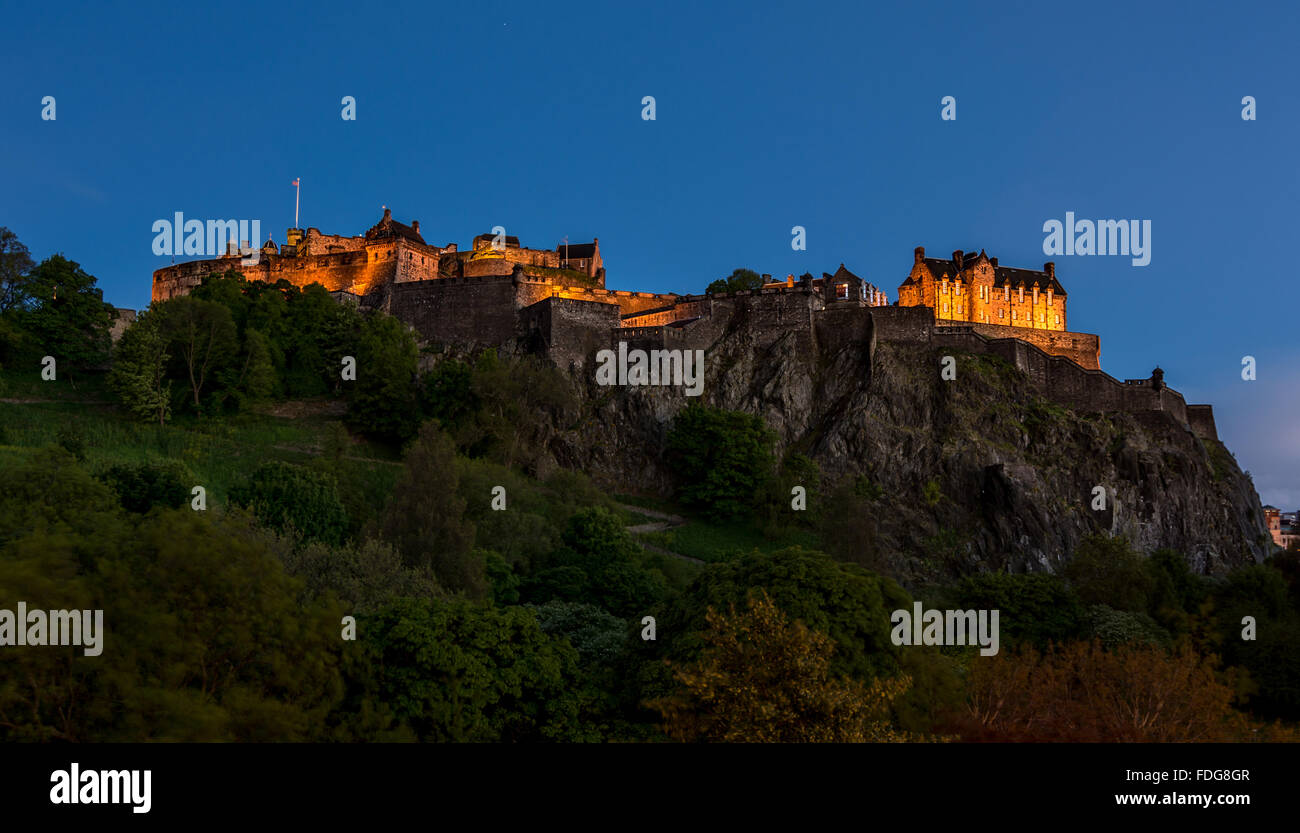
975	473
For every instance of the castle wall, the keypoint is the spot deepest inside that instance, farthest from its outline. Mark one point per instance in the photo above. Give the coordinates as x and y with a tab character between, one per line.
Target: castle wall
1201	418
471	311
316	243
355	271
569	330
628	302
908	324
1078	388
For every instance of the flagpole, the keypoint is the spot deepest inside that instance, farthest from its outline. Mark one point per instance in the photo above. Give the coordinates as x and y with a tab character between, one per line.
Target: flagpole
296	195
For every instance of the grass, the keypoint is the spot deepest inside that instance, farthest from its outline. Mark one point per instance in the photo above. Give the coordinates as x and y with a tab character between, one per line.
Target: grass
719	541
215	453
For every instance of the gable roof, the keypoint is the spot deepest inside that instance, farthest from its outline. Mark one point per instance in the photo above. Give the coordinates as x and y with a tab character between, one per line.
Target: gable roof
388	227
577	251
1002	275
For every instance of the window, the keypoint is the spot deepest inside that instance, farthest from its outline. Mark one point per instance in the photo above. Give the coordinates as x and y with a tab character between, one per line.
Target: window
1058	320
842	291
1040	318
945	309
982	295
1013	315
1002	313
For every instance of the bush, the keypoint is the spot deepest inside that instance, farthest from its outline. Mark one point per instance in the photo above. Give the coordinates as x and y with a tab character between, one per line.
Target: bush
721	460
291	498
143	486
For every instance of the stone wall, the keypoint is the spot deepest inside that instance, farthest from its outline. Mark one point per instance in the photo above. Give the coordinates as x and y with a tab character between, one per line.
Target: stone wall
1201	418
568	329
476	312
1075	387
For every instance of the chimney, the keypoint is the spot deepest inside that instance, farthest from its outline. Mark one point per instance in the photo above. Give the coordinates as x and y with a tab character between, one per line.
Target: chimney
1050	268
767	279
789	280
388	213
994	261
415	226
918	254
957	258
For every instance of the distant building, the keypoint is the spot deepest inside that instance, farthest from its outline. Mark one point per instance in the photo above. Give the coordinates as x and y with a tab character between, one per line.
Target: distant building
122	318
1283	526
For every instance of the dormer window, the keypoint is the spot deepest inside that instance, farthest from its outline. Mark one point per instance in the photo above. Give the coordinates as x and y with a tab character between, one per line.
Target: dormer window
842	291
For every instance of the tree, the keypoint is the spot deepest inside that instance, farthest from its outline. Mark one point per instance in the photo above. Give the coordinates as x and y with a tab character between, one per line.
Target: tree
139	373
762	677
292	498
424	517
201	336
15	268
1108	571
382	401
364	575
721	460
738	280
143	486
1083	692
456	671
65	315
1036	608
597	562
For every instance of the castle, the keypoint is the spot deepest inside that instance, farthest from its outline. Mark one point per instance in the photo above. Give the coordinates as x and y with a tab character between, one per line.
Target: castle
555	302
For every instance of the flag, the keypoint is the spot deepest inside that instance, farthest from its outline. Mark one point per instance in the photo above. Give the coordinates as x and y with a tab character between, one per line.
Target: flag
294	183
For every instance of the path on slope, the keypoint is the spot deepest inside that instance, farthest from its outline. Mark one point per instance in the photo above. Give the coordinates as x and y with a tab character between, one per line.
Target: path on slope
665	521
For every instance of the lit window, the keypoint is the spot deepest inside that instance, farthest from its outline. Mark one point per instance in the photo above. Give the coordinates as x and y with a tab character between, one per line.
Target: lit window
945	309
842	290
1002	313
1058	319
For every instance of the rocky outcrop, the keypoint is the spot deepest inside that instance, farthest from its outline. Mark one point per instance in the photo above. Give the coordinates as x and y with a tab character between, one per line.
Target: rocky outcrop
980	472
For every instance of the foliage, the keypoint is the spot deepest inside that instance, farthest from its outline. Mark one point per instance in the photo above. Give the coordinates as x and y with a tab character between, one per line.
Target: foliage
456	671
139	373
294	499
142	486
1035	608
1108	571
425	518
64	315
382	401
761	677
738	280
720	460
1083	692
597	562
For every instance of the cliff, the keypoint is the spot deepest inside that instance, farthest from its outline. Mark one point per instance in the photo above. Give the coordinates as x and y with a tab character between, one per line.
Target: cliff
978	473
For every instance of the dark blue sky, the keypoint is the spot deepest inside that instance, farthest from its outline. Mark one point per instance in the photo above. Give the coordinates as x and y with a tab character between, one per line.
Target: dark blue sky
528	115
